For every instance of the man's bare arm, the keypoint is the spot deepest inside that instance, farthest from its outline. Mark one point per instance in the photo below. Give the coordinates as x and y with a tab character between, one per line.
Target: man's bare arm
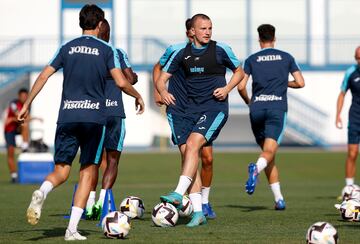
160	85
126	87
242	89
130	75
222	92
38	85
298	81
156	74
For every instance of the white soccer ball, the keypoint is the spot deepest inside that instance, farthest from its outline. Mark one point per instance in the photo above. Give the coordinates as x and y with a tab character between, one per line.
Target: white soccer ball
350	192
165	215
116	225
187	208
350	210
133	207
321	233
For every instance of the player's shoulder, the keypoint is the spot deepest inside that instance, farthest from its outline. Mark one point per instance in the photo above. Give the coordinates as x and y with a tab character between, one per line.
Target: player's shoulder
224	47
177	46
351	69
121	51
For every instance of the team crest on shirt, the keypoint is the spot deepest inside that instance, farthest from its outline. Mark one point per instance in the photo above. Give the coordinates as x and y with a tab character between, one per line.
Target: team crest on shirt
202	119
266	58
84	50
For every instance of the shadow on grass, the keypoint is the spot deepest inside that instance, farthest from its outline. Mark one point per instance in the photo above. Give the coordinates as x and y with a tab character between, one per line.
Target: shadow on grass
248	208
49	233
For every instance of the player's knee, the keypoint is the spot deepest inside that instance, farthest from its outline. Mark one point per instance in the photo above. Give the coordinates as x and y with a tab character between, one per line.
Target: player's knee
352	154
207	160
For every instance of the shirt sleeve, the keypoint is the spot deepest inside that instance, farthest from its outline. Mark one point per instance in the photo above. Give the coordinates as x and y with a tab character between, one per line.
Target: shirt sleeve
57	61
112	59
228	57
123	58
345	83
293	65
247	67
174	63
166	56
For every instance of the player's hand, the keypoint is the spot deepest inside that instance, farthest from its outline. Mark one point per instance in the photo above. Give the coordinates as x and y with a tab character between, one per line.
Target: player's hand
221	93
139	105
338	122
167	98
157	98
23	114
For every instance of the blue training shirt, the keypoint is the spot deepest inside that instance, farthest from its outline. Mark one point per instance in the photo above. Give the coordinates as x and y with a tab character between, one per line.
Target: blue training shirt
270	70
114	102
177	82
200	89
86	62
352	81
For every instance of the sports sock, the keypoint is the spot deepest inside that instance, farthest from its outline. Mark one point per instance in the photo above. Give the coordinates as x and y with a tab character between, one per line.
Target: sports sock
75	217
46	187
24	145
349	181
102	196
205	191
14	175
261	164
91	200
195	199
275	187
183	185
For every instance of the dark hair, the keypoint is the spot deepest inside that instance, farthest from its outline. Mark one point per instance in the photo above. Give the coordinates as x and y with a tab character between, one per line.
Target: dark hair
266	33
90	16
23	90
197	16
104	33
188	24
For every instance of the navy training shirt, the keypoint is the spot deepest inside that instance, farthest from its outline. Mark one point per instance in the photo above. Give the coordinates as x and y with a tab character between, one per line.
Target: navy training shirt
113	94
352	81
177	82
270	70
86	62
200	88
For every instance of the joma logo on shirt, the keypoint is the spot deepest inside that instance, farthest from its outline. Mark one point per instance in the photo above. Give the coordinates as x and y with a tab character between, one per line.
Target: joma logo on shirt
84	50
197	69
110	103
268	58
82	104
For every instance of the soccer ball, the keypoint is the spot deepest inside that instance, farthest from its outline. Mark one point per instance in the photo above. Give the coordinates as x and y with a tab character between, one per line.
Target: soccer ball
321	233
187	208
133	207
165	215
350	192
116	225
350	210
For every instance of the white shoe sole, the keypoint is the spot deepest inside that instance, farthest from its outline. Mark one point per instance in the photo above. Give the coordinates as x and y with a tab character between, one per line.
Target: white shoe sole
34	211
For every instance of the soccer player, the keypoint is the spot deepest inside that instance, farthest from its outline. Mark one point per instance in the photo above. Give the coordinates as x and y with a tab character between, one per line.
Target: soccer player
86	62
176	117
270	70
13	128
351	81
204	63
115	129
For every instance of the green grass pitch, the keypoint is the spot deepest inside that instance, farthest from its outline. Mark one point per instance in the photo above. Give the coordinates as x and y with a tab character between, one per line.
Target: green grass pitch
310	182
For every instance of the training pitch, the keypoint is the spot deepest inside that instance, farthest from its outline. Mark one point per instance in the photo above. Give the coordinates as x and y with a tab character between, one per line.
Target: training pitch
310	182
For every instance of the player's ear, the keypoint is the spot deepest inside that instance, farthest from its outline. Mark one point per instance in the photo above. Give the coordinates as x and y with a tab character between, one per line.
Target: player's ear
192	31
